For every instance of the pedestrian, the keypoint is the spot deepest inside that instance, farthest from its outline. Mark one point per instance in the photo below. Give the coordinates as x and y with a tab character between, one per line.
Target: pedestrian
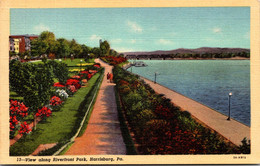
108	76
111	77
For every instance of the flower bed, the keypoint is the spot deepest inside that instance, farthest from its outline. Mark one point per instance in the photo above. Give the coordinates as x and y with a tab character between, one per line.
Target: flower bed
112	60
18	111
162	128
40	97
61	125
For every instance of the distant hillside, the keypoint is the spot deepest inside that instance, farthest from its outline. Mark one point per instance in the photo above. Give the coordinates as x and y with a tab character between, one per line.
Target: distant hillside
202	50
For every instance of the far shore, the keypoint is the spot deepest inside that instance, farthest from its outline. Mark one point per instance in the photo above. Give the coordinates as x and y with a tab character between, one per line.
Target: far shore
234	58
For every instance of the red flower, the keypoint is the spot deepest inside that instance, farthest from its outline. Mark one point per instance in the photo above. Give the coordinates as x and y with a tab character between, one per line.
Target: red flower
55	101
84	72
13	122
114	60
57	84
43	112
164	112
18	109
25	128
96	65
73	82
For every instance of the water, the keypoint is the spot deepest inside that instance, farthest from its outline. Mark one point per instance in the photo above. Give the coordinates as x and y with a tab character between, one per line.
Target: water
206	81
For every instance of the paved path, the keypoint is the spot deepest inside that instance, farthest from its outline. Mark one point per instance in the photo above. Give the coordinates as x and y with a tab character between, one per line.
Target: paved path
103	135
232	130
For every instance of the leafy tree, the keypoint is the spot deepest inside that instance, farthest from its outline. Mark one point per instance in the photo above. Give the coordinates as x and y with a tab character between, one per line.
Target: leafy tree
31	81
75	48
11	53
45	44
113	52
85	51
104	48
96	51
59	70
49	38
63	48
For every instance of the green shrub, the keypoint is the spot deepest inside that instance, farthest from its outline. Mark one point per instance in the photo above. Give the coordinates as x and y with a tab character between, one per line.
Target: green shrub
31	81
144	116
59	70
245	147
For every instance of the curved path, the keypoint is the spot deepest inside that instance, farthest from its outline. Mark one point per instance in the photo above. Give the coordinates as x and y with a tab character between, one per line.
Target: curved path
232	130
103	134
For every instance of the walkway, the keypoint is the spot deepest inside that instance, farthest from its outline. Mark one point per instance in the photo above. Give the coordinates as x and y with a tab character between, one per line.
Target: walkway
232	130
103	135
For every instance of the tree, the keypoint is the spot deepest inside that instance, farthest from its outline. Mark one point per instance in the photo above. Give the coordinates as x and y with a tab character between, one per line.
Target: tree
63	48
96	51
50	40
113	52
11	53
104	48
33	82
75	48
85	51
45	44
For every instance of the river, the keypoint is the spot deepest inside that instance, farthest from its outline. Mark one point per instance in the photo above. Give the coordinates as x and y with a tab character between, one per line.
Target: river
206	81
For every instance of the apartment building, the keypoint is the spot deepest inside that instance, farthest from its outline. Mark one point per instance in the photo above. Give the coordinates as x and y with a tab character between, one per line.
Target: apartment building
21	43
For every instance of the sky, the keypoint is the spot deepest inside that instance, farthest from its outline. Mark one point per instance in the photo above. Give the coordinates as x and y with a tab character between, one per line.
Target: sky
140	29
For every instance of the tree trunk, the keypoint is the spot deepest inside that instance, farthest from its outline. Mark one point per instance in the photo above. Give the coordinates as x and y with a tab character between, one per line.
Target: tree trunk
35	122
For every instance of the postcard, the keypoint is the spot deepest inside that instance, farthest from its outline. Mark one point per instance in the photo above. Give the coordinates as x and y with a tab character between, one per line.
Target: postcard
130	82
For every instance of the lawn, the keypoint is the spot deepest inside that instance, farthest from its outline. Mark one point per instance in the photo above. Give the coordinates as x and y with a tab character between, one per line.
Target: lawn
15	96
75	64
60	126
76	61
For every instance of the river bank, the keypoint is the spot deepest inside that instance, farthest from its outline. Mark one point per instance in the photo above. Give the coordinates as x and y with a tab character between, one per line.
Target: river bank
233	58
231	130
206	81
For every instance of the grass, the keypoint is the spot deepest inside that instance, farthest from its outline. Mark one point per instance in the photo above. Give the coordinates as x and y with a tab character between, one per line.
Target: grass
122	64
90	111
130	148
14	96
66	149
84	109
59	127
85	123
76	61
37	62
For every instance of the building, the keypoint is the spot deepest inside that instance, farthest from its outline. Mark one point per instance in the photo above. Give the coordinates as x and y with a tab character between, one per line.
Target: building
21	43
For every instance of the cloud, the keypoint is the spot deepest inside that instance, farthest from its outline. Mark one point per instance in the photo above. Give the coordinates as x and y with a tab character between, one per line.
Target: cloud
123	49
164	42
154	28
217	30
135	27
95	38
133	41
40	28
116	41
172	34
